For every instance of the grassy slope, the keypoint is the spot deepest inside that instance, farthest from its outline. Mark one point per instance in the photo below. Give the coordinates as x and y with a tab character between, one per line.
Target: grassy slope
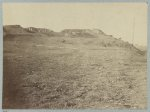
43	72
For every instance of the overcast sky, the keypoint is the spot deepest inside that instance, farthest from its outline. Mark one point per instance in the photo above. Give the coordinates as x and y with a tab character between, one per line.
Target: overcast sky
113	18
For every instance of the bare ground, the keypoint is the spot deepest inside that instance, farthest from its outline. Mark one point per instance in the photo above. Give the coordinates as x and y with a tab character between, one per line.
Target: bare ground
59	73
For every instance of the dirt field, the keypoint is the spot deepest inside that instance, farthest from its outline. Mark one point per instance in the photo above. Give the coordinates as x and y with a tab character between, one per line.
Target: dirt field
58	73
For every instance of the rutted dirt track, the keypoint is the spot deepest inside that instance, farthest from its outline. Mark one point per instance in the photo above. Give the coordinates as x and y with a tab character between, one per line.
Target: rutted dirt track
53	73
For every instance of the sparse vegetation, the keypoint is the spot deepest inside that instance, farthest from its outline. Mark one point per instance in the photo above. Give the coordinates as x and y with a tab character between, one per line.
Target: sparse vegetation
58	72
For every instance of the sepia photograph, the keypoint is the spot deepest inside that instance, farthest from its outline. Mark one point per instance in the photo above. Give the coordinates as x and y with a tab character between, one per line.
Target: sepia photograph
74	56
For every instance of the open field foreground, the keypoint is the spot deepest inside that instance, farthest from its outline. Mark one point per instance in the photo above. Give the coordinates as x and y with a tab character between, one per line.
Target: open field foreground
78	72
